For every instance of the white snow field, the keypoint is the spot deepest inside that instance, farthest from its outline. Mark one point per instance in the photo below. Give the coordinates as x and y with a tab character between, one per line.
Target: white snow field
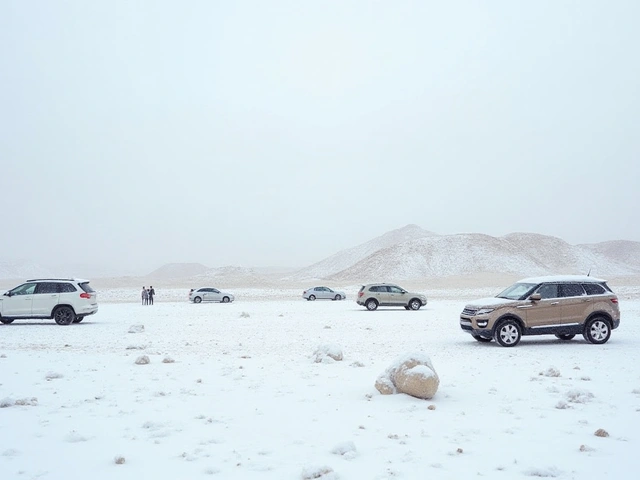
231	391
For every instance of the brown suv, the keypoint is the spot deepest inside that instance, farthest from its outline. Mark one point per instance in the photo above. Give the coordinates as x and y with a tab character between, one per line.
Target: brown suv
389	295
563	306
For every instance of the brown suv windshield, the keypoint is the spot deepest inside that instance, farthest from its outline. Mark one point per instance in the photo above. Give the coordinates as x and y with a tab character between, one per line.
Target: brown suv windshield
517	291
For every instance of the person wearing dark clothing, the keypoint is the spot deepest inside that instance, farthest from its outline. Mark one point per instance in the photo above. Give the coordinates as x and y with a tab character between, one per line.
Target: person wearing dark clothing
151	292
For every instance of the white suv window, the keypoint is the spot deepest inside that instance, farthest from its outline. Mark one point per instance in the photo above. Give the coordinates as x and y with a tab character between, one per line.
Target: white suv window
24	289
47	287
69	288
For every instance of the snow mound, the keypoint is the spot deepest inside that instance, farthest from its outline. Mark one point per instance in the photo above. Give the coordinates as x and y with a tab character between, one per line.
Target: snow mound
323	472
10	402
142	360
328	353
346	449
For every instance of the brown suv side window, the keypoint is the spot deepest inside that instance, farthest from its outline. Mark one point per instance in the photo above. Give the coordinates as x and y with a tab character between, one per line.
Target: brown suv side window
594	289
571	290
548	290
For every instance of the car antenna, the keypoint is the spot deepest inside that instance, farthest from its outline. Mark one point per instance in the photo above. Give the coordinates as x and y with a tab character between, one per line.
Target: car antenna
589	273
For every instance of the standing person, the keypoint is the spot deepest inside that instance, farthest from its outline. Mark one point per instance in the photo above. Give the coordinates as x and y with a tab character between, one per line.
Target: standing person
152	292
145	296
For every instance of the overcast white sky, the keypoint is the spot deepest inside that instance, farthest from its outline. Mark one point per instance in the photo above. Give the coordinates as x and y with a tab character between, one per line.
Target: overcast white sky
254	133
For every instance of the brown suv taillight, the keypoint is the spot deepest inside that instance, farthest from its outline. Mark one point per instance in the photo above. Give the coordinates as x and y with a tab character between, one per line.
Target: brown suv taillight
85	295
614	300
360	294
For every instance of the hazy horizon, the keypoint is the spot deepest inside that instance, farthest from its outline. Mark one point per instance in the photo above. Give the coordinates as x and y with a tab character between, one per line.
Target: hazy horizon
279	133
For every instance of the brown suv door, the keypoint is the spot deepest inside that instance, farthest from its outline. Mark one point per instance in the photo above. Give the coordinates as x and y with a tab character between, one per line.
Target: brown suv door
545	311
576	304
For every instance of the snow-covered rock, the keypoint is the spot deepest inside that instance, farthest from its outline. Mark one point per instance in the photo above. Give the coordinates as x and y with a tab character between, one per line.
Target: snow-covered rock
412	374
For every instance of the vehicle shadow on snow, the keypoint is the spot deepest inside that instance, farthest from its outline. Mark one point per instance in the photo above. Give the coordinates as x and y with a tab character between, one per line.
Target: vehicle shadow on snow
550	342
388	309
43	324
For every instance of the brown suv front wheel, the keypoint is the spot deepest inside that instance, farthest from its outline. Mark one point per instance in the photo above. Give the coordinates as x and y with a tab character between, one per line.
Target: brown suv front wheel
508	333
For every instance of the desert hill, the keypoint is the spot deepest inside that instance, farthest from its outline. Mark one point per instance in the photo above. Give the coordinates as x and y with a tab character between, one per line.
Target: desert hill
408	253
349	257
522	254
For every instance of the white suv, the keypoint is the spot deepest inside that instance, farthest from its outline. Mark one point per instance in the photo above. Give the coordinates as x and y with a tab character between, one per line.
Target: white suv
65	300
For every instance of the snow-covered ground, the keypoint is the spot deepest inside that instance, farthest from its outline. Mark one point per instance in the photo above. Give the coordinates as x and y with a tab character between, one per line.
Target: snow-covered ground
232	391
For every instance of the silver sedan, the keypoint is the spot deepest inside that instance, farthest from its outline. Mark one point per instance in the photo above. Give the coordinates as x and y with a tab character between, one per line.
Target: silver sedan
323	293
210	295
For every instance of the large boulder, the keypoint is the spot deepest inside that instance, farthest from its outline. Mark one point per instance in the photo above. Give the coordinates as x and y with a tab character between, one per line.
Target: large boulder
412	374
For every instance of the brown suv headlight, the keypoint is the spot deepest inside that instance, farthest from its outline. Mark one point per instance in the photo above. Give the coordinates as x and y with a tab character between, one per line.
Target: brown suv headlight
484	311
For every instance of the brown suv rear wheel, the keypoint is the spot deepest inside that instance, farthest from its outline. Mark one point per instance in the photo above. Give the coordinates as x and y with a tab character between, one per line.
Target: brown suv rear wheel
597	330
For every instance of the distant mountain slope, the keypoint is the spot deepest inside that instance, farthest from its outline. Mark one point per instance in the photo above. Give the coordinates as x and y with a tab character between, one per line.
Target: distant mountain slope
178	270
559	256
519	254
347	258
622	251
222	277
23	270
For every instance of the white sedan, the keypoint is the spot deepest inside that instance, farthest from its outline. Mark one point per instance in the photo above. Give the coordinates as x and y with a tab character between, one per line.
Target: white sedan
210	295
323	293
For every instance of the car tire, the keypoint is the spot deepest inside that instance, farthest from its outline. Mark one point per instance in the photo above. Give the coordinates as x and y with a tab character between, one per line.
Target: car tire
508	333
415	304
481	339
6	321
371	304
78	319
338	297
197	300
312	298
64	315
565	336
225	299
597	330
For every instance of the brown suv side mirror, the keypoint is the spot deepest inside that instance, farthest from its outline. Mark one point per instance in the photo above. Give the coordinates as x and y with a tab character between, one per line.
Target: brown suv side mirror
535	297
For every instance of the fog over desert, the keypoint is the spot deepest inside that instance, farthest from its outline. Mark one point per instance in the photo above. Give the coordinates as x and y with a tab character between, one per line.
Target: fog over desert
264	148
